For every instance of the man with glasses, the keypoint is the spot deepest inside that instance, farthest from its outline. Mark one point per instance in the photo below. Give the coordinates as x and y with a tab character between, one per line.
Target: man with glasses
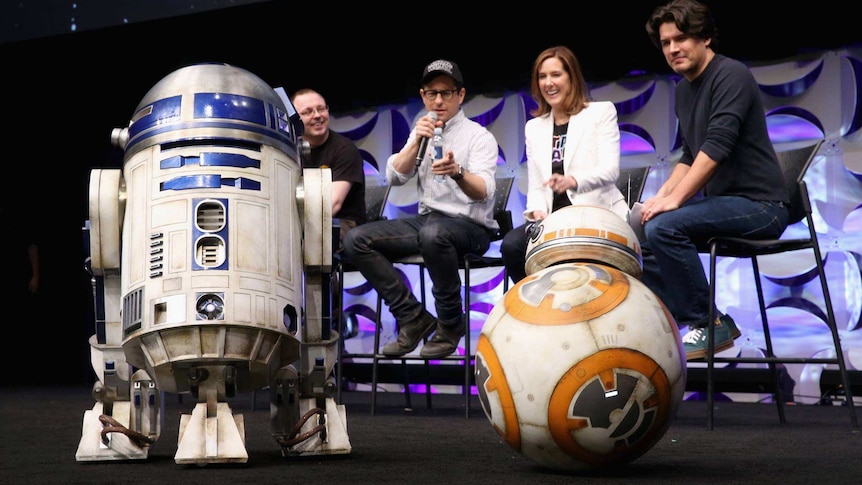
454	217
336	151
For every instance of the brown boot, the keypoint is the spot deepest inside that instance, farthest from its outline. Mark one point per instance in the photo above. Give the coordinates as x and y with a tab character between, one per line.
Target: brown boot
444	341
409	335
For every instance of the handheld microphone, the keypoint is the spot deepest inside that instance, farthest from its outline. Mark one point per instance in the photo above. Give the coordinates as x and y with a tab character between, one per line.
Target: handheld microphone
423	143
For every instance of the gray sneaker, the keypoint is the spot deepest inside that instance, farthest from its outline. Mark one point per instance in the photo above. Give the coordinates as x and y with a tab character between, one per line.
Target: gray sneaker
410	334
696	340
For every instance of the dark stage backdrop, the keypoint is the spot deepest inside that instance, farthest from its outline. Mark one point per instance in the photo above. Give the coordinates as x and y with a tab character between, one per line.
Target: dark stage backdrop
31	19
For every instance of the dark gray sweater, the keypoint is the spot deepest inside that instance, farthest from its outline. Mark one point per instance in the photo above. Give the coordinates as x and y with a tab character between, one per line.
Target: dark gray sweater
721	113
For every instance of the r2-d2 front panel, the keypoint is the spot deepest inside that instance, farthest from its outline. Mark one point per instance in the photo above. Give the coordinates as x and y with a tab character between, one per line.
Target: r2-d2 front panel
211	287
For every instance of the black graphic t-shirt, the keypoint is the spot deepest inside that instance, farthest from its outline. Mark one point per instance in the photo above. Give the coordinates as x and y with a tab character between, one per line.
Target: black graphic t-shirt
559	144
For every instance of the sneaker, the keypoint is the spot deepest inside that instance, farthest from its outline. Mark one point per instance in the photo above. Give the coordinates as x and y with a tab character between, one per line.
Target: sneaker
444	341
696	340
410	334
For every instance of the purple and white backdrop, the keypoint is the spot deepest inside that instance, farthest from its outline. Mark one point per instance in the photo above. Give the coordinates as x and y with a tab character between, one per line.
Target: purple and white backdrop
811	96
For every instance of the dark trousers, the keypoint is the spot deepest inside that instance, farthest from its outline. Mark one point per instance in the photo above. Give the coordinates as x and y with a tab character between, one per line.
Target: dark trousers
441	240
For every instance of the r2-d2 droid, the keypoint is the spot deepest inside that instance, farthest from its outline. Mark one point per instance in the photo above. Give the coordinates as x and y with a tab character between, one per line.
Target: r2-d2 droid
209	251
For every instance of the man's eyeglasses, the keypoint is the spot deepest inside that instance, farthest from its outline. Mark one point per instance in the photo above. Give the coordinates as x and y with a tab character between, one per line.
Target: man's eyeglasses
310	111
446	93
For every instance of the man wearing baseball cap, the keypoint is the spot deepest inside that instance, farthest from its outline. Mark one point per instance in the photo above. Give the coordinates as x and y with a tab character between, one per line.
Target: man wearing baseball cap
453	218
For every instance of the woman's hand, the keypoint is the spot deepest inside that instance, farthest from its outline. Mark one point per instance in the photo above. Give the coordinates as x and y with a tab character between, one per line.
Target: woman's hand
559	184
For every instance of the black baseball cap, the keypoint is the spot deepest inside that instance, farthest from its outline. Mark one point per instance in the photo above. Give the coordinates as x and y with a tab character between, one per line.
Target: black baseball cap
442	66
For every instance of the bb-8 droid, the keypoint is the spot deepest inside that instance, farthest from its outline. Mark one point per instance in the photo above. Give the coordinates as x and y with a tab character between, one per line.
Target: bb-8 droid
580	365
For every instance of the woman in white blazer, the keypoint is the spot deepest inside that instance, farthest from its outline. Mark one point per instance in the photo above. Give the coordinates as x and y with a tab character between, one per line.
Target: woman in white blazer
573	151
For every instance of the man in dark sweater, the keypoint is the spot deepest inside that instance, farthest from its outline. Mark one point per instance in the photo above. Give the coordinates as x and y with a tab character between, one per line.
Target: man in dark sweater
726	183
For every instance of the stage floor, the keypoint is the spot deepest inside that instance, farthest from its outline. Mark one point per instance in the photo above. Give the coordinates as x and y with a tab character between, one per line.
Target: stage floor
42	426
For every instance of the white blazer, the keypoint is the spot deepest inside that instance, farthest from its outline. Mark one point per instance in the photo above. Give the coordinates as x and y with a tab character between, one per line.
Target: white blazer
591	155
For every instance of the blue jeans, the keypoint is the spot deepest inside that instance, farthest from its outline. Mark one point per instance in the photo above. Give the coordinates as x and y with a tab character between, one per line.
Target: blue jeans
441	240
671	262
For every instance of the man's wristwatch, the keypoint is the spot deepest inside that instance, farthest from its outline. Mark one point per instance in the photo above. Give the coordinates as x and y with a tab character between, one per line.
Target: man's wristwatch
459	175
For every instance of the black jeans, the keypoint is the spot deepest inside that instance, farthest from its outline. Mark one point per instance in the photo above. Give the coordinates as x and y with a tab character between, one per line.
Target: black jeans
441	240
513	249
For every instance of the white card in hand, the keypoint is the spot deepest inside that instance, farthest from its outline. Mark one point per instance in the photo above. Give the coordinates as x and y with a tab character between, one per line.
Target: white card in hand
635	220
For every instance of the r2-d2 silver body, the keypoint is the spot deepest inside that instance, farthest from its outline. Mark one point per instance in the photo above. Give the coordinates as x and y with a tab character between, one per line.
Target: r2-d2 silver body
207	252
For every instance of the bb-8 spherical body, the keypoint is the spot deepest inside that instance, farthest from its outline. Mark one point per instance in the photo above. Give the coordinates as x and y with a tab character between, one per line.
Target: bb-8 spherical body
580	366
